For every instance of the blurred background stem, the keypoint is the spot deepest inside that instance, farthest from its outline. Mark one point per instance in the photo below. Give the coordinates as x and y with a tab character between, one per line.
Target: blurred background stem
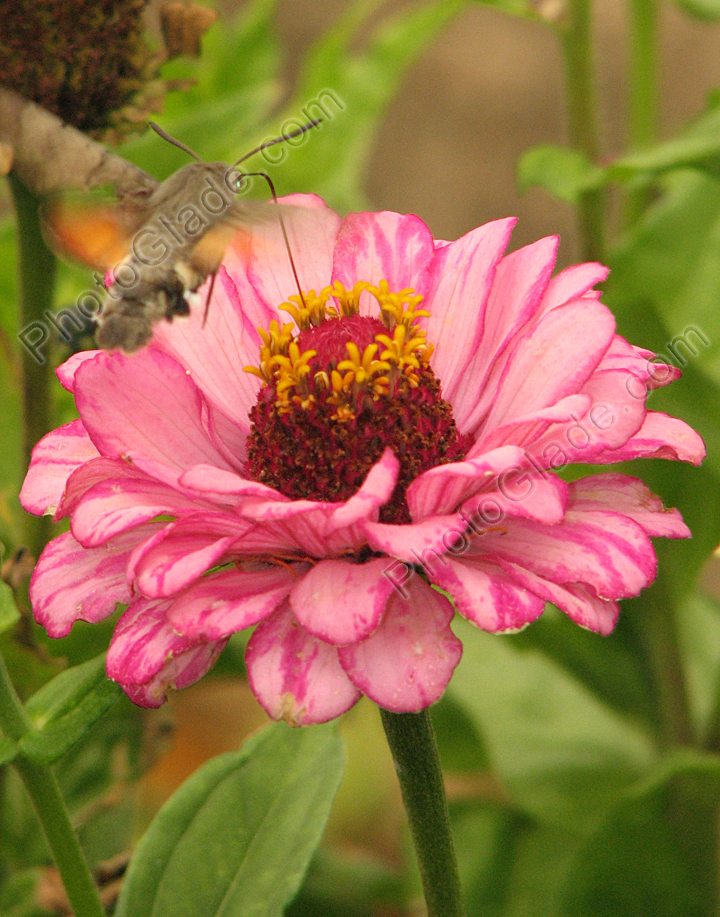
36	281
412	742
582	120
42	787
658	634
643	93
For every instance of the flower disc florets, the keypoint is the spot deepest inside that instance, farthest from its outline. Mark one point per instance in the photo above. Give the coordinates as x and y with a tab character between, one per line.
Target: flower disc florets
342	390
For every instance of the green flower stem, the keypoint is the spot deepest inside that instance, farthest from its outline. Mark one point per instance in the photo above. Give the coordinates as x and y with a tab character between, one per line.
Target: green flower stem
37	282
659	638
412	743
577	49
643	93
43	789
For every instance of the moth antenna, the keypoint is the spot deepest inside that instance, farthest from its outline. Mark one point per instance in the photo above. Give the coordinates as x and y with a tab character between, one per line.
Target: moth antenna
263	146
209	297
181	146
282	227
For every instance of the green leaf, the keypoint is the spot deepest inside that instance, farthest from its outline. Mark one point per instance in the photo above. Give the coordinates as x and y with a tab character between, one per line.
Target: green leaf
63	710
656	852
237	837
561	753
9	614
564	173
703	9
698	146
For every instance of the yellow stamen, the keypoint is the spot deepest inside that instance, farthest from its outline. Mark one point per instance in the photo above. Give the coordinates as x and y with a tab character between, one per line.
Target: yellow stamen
404	349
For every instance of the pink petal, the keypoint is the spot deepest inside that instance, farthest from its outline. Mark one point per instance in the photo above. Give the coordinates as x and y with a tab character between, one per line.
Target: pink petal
145	404
146	651
579	602
520	282
71	583
619	493
405	665
53	460
487	596
660	436
88	475
609	421
214	346
312	228
228	437
623	415
554	360
182	552
375	490
419	543
305	523
179	672
637	361
530	429
341	602
572	283
463	274
607	551
221	484
444	488
295	676
222	603
66	371
524	495
113	506
384	246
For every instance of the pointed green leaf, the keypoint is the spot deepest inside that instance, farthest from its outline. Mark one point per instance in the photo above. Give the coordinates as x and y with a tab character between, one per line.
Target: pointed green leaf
698	146
656	852
63	710
237	837
564	173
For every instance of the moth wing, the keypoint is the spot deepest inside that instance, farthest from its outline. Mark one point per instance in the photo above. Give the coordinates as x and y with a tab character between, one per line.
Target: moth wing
207	255
251	224
96	235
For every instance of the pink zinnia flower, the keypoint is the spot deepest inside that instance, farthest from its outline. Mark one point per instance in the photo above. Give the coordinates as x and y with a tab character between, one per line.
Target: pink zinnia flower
401	430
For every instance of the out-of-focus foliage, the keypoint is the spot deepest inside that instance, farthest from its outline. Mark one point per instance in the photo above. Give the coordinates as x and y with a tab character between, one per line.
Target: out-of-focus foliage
583	772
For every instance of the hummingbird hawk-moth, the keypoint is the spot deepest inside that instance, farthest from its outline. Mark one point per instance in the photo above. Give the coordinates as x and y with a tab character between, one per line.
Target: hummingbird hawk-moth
154	254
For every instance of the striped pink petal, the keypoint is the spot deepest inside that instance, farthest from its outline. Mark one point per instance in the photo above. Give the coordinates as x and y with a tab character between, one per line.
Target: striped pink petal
54	459
341	602
405	665
72	583
223	603
295	676
384	246
486	595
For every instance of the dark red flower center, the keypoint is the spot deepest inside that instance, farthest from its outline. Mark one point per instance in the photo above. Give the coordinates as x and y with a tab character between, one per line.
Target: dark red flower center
343	389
